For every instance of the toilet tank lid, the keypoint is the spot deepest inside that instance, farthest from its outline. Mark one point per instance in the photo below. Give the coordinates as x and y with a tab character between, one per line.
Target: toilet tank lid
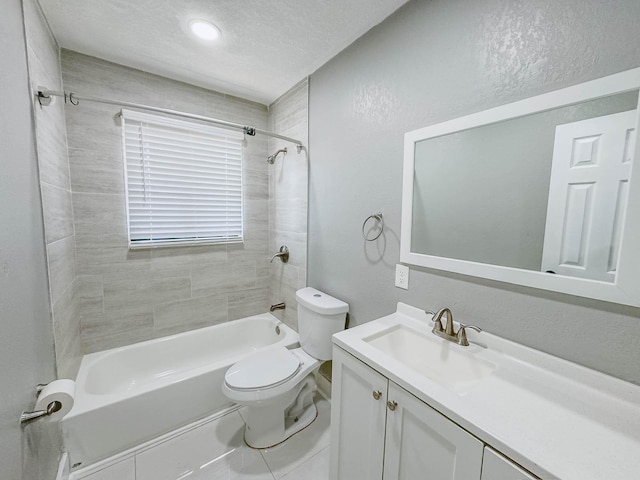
320	302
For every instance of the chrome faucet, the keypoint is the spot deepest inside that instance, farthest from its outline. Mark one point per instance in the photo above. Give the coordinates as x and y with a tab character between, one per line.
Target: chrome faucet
282	254
459	337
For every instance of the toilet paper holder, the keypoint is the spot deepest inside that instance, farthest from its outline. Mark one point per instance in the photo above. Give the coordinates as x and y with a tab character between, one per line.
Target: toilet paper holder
28	417
53	407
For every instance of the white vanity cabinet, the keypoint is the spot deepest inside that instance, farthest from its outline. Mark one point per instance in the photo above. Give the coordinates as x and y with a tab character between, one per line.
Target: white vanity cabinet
422	443
497	467
358	410
380	431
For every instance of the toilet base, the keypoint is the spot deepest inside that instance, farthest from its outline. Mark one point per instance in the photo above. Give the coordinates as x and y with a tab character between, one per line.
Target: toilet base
269	425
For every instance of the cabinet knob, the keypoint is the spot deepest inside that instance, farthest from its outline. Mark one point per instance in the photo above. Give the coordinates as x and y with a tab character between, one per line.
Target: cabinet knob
377	394
392	405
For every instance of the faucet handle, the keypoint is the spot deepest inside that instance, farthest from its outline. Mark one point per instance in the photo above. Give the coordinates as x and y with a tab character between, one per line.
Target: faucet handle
461	336
437	324
282	254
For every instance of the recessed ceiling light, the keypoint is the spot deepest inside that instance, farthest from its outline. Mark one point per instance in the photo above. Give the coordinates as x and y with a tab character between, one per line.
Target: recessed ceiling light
204	30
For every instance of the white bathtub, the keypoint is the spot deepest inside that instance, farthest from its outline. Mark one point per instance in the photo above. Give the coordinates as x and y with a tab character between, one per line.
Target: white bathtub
128	395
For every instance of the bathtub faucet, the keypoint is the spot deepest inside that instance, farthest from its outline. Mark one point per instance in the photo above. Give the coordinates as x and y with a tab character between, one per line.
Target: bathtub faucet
277	306
282	254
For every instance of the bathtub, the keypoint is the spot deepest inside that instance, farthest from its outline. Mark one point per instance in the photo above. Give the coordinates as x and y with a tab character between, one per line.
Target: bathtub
129	395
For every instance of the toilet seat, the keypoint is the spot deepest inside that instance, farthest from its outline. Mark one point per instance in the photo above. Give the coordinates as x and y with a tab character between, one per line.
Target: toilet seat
266	368
283	383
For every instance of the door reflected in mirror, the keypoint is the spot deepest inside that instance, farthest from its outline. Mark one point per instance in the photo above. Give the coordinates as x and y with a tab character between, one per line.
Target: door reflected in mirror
544	192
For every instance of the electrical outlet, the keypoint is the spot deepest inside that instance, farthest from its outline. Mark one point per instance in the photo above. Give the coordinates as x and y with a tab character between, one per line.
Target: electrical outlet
402	276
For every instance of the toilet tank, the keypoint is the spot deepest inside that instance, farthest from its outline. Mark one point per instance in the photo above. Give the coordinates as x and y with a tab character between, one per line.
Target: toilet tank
319	317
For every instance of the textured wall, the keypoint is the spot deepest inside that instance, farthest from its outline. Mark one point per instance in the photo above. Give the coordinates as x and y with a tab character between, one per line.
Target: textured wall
288	190
26	337
434	61
129	296
55	184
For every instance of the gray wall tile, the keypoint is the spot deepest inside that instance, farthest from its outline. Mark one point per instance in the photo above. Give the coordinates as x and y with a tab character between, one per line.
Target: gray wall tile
183	315
40	40
91	294
93	171
62	266
66	331
130	287
99	253
193	255
58	213
255	245
99	213
288	187
243	303
52	145
93	126
116	327
228	277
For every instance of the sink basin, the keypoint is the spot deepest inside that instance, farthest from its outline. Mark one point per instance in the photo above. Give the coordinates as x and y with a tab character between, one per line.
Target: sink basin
443	362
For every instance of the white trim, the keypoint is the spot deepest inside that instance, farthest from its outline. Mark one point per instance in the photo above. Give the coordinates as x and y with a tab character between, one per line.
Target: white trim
626	289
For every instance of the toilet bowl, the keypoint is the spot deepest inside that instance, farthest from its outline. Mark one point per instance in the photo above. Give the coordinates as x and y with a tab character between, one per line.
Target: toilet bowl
277	385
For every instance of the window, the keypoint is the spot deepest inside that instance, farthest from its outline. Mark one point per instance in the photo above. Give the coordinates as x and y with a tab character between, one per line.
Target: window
183	181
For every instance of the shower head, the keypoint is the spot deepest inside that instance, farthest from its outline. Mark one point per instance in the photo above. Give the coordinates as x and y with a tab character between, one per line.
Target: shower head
272	158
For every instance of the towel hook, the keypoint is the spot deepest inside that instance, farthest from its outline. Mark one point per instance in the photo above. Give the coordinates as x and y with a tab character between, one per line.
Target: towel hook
378	218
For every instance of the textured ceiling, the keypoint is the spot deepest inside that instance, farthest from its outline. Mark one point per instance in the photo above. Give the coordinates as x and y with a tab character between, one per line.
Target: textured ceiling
266	47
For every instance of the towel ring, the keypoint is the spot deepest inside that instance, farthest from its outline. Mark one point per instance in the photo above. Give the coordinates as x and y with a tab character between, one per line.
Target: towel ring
377	217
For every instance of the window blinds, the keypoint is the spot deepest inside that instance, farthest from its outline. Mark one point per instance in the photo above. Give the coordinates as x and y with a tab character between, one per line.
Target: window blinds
183	181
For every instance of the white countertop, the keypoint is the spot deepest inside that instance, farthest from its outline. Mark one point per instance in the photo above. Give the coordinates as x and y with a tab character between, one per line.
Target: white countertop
555	418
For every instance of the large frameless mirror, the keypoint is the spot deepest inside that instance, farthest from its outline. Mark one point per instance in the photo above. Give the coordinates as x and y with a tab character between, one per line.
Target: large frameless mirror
538	192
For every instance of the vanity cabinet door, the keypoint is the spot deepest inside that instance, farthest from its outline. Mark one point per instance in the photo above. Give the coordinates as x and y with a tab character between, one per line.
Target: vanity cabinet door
423	444
358	409
497	467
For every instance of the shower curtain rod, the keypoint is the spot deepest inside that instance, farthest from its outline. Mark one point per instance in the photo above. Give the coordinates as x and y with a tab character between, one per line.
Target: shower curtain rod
44	98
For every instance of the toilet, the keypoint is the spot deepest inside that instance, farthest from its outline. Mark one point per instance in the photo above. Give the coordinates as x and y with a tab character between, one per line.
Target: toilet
277	385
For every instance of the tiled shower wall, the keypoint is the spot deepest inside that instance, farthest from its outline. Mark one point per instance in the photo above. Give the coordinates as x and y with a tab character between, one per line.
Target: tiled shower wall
129	296
55	185
288	187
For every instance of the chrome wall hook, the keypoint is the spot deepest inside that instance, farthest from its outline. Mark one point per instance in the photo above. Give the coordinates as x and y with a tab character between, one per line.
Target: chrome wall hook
43	99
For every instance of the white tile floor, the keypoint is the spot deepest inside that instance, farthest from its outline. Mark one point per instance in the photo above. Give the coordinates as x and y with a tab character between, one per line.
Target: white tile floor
216	451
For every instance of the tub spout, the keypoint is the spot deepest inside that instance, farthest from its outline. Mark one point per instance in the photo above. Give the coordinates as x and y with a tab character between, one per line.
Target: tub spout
277	306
